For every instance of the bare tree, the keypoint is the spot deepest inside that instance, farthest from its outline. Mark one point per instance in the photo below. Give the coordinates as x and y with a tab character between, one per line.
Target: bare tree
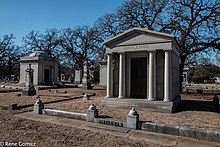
5	43
196	24
11	59
142	13
205	71
68	39
108	25
47	42
133	13
81	43
9	55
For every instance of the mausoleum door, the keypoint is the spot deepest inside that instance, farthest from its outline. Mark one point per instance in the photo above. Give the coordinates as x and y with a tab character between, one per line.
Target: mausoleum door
138	77
46	76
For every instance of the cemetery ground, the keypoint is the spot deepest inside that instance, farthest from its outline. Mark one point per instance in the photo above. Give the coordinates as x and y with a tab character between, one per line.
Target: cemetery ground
15	129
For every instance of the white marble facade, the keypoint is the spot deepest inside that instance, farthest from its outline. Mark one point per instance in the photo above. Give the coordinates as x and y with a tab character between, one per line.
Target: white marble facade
142	64
45	68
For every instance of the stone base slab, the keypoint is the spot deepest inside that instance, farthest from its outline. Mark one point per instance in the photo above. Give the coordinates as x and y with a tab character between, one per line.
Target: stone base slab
110	128
66	114
139	104
28	92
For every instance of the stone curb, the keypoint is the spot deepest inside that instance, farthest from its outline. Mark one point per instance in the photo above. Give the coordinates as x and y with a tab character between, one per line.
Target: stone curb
11	90
73	115
147	126
181	131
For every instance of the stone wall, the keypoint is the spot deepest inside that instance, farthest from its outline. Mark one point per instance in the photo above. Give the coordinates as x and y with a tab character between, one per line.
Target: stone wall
175	75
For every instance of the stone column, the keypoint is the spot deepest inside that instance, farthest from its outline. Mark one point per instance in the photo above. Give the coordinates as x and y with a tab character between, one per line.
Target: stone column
167	73
86	83
109	62
122	76
152	76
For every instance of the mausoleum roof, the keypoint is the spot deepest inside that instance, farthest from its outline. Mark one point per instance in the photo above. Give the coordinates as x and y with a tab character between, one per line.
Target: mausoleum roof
142	30
39	54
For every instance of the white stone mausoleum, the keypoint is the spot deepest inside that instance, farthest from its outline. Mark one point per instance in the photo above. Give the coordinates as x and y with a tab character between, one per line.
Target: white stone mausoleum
45	68
143	64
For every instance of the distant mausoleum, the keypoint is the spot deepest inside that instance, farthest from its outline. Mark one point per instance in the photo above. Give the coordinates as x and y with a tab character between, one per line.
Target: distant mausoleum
45	68
103	73
93	76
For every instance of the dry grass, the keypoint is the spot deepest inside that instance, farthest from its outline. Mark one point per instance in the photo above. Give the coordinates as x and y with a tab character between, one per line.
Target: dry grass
195	119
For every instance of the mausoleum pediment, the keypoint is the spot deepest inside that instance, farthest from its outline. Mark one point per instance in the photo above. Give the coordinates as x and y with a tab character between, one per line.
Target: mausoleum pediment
138	39
142	39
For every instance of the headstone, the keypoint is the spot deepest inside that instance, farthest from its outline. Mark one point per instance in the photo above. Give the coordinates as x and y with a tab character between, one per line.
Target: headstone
35	96
78	76
86	80
86	97
18	94
12	106
132	119
92	112
61	91
38	106
29	89
62	77
37	88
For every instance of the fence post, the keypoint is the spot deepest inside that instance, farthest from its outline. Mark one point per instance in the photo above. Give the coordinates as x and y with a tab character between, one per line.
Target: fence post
92	112
38	106
132	119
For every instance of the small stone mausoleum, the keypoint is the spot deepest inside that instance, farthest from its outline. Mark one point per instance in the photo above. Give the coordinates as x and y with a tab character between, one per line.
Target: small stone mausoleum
45	68
143	64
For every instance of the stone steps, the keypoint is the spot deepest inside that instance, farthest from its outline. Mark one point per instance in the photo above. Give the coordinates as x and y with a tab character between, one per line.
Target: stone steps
140	104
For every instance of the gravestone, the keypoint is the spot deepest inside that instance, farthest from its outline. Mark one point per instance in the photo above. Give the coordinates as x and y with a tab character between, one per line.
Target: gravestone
78	76
86	97
62	77
86	84
38	106
29	89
